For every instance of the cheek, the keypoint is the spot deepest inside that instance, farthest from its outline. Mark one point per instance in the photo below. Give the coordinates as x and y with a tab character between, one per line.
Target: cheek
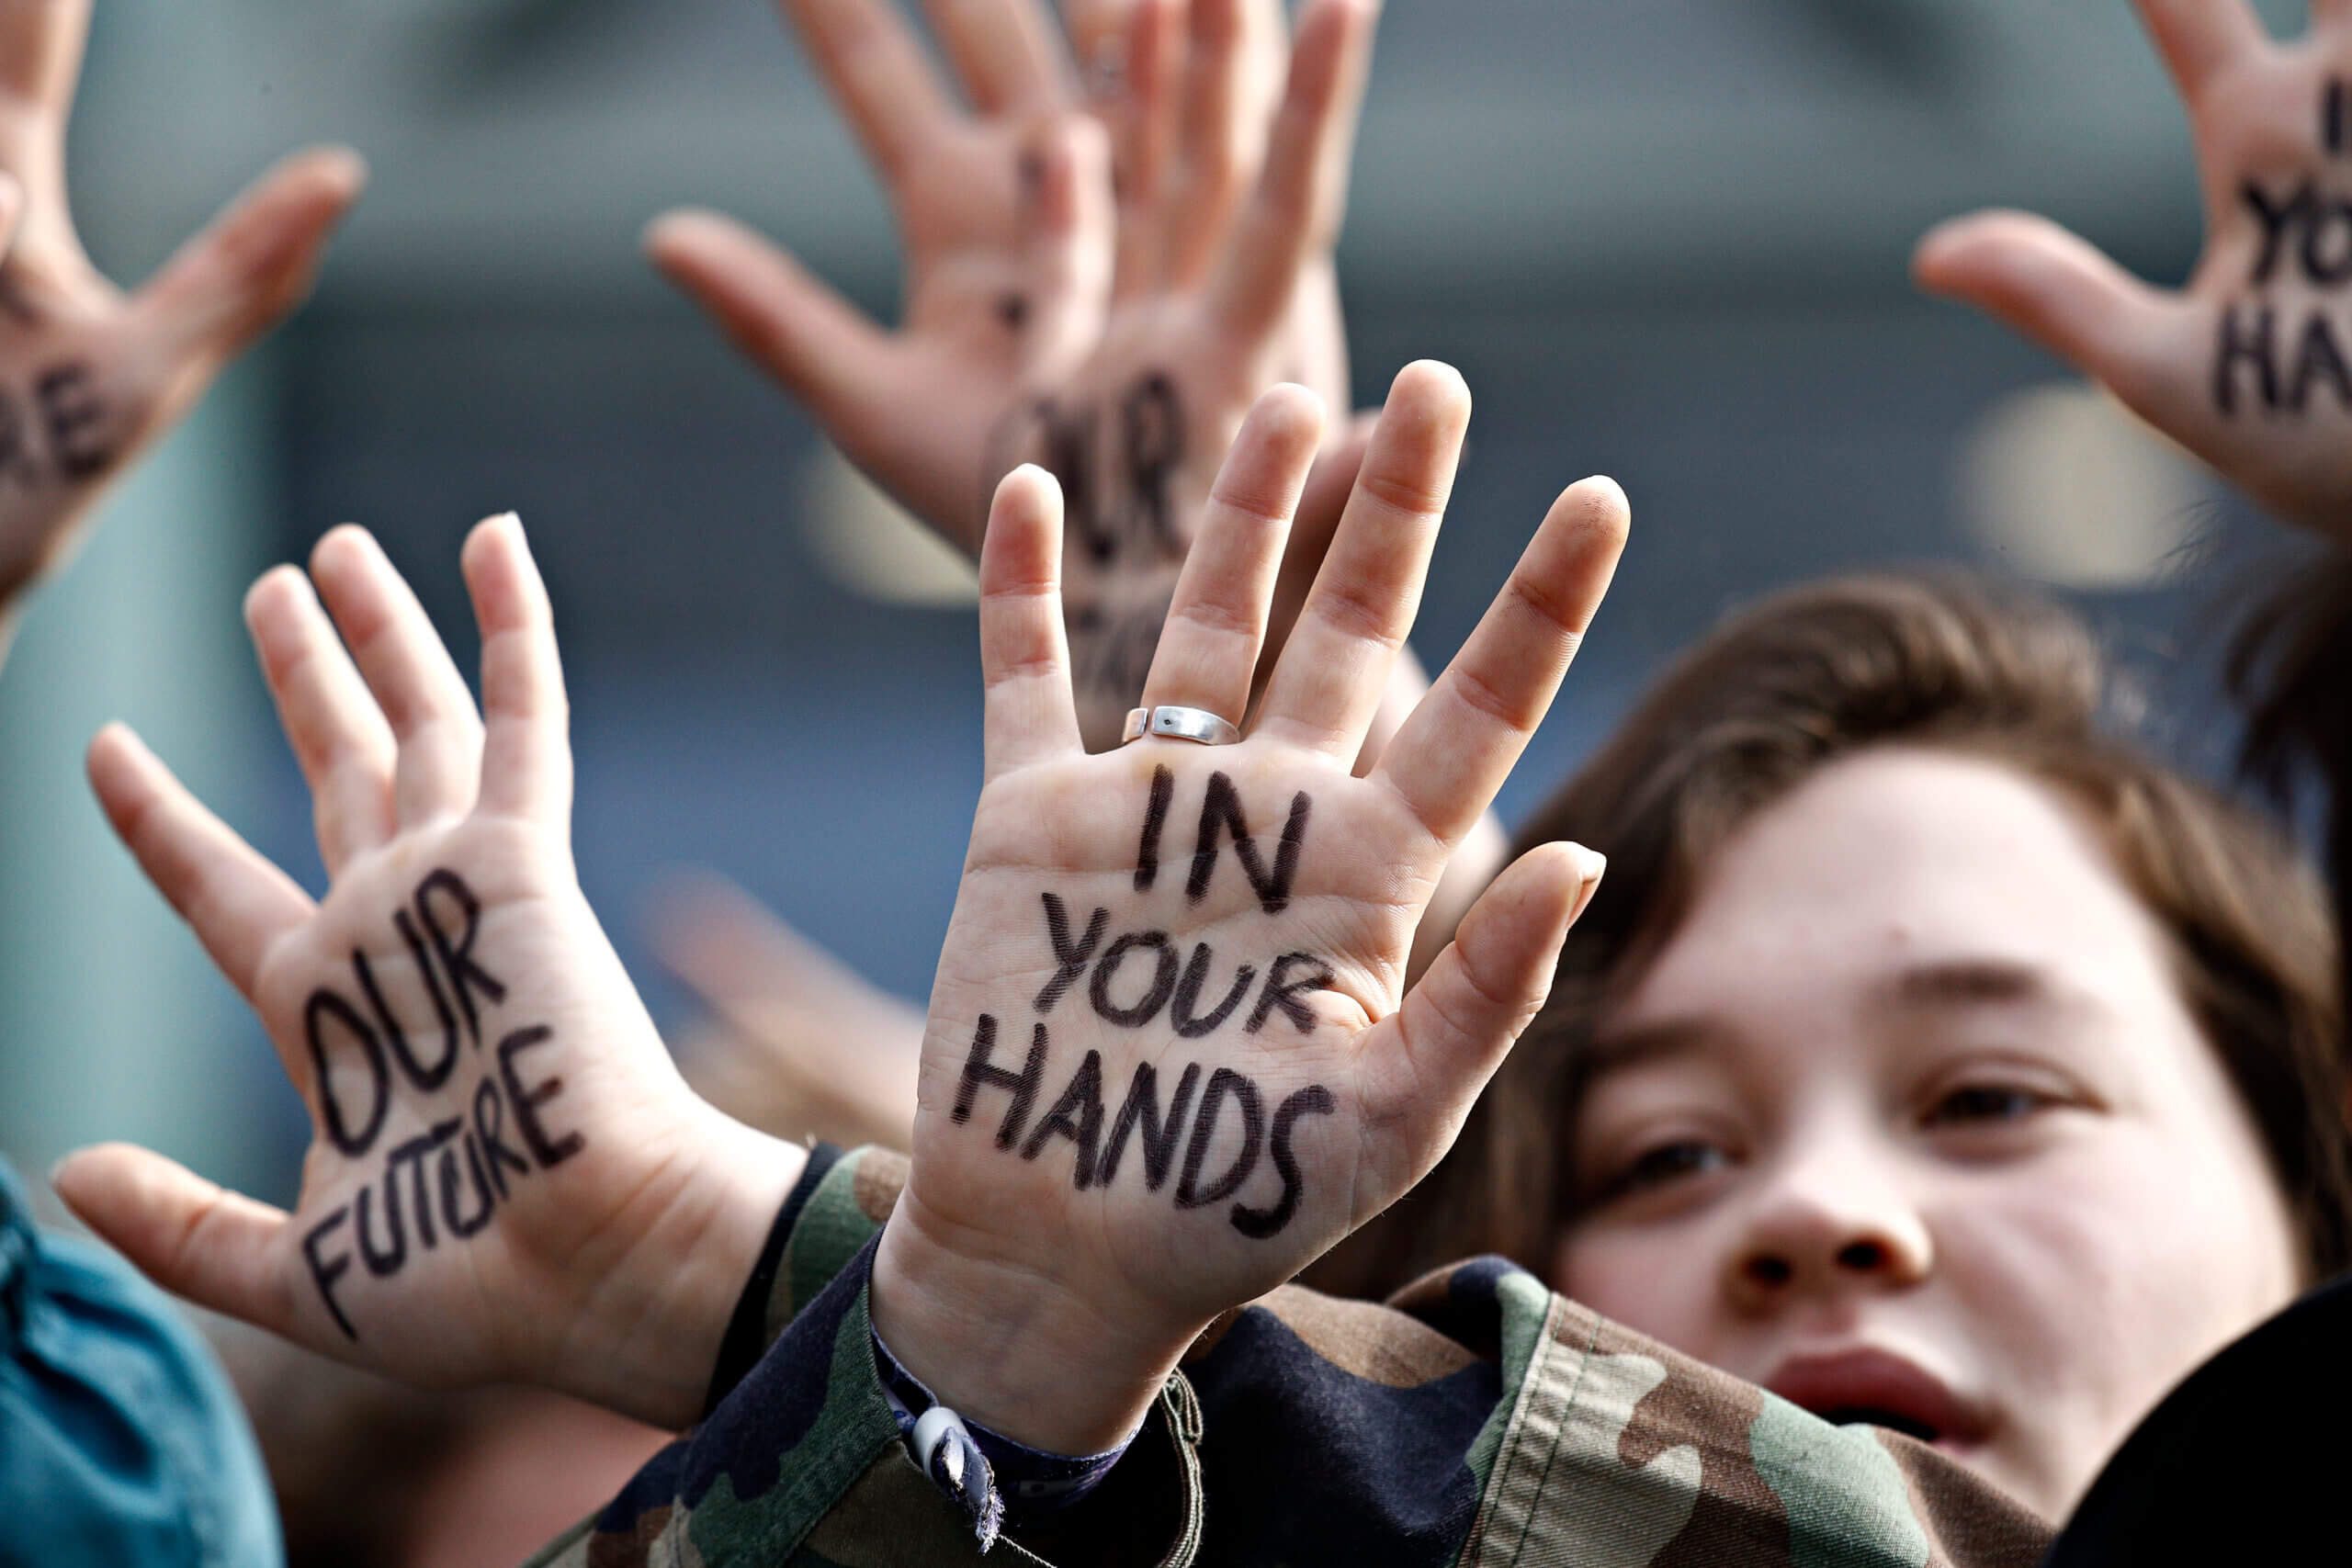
1652	1280
2105	1273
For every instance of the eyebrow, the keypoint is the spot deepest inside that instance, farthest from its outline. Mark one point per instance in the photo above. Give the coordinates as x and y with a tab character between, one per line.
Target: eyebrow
1644	1043
1944	984
1970	982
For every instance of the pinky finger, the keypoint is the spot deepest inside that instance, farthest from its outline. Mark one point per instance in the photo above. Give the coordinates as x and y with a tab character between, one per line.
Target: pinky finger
197	1239
236	902
1025	656
1426	1061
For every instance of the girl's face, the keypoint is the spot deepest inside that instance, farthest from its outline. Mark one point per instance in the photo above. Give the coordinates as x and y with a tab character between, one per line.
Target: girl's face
1909	1123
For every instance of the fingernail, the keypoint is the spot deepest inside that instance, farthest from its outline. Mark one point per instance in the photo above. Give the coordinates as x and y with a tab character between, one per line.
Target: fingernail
1594	864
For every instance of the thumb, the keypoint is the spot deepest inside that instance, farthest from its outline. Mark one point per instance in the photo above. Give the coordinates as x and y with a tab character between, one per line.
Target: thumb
2053	286
233	279
194	1238
1426	1063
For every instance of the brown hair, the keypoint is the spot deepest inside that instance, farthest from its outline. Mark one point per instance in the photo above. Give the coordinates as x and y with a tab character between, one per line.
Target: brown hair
1782	690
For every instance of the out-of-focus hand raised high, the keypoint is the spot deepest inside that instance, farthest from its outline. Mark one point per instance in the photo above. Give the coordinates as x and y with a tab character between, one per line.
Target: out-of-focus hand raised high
1114	336
89	374
507	1179
2250	365
1170	1054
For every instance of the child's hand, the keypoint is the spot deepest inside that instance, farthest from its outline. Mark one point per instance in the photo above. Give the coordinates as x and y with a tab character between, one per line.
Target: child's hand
507	1179
2250	366
1115	341
1170	1058
87	374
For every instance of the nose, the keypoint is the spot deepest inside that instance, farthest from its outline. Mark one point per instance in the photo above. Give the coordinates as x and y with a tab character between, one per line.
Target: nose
1840	1222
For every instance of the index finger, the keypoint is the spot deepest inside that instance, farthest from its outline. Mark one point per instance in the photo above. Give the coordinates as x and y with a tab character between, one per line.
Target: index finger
1029	713
876	73
40	51
1465	737
2196	38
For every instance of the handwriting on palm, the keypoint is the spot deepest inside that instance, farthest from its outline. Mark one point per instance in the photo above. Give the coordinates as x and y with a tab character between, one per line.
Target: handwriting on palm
1111	332
2250	365
1170	1056
503	1162
88	373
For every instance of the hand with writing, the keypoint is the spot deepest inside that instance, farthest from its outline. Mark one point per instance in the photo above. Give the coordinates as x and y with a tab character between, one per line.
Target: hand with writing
2250	366
1171	1058
1115	341
88	375
507	1179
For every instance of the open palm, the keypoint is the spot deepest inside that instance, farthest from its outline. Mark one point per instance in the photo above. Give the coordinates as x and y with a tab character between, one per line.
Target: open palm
1170	1056
89	374
507	1178
2250	365
1113	332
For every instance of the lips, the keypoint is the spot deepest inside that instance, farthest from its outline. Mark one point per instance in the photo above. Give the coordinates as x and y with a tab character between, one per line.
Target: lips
1881	1389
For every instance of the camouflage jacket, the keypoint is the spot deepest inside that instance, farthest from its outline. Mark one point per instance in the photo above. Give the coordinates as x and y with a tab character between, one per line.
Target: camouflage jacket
1476	1419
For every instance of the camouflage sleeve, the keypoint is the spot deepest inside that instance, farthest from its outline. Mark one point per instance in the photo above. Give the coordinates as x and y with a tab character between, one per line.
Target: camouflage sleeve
1478	1419
1614	1448
801	1466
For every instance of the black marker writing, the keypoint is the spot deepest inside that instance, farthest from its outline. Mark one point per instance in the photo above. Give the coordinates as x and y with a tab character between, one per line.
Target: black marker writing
1181	1011
65	436
979	1073
77	419
324	1005
1139	1113
466	977
1163	980
325	1272
1221	812
1282	991
1260	1223
548	1151
1071	956
2261	361
1224	1084
446	1182
1077	1116
1154	817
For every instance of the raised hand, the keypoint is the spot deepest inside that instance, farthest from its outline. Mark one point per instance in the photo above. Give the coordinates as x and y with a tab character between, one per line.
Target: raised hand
1171	1058
507	1180
88	374
1114	340
2250	366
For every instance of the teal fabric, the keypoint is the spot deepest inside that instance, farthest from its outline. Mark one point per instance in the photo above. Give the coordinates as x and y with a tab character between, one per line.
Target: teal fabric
121	1440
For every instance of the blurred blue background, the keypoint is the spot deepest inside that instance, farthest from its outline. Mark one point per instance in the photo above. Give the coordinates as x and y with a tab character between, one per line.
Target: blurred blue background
1663	240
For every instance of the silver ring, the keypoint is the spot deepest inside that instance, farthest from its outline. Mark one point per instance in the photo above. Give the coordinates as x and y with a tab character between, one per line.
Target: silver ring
1196	725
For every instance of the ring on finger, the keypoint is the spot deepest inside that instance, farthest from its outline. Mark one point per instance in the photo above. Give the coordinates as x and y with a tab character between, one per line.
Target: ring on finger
1170	722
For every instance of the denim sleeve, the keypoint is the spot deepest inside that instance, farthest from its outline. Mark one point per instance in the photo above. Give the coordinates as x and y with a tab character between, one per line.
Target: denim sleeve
121	1440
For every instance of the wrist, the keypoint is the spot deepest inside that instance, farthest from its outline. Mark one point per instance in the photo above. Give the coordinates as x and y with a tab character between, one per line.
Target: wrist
1023	1354
659	1336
